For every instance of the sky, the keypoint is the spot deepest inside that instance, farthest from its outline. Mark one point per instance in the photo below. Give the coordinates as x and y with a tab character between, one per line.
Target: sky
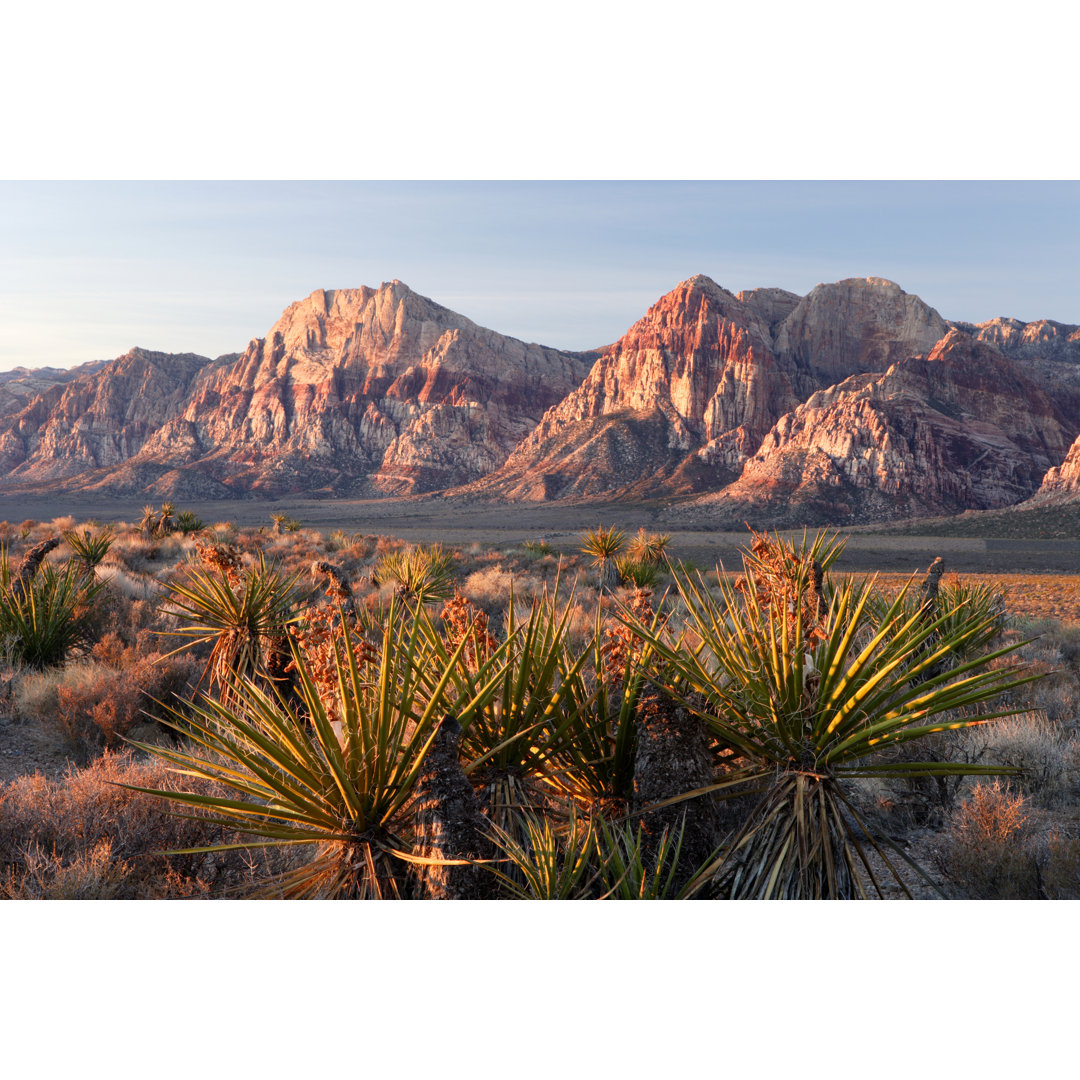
89	269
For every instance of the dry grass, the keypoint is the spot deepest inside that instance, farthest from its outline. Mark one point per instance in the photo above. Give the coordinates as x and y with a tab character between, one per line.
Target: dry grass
1042	751
87	838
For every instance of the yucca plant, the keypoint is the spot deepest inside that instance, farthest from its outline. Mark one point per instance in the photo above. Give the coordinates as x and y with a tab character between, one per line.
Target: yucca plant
542	862
333	772
642	575
88	547
632	868
149	521
158	523
649	548
587	858
284	523
241	614
959	606
422	574
507	744
47	617
593	764
167	518
188	522
806	698
603	547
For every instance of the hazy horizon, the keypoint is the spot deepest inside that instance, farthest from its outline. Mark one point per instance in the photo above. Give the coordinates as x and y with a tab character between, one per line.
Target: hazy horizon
92	269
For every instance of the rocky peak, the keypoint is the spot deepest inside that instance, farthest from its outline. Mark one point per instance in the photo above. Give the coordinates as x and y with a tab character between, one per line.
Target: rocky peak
680	399
100	419
851	327
367	390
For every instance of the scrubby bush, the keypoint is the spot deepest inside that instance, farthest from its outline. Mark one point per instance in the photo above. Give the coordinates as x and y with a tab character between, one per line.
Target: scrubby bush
89	836
988	851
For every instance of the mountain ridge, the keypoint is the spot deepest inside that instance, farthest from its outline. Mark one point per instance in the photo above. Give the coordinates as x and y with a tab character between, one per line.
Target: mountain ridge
856	399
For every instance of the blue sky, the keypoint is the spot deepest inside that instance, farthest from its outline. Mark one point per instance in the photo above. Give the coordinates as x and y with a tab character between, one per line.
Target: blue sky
89	269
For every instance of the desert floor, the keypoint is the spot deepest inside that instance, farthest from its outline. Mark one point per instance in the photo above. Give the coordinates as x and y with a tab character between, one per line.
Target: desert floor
428	520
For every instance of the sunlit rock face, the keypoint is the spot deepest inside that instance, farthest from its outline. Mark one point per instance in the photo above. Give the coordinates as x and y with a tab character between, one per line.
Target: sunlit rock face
852	327
686	396
960	428
1061	483
359	390
372	390
677	403
855	402
95	421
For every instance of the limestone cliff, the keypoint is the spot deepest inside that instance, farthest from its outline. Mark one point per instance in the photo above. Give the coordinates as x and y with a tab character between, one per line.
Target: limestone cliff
852	327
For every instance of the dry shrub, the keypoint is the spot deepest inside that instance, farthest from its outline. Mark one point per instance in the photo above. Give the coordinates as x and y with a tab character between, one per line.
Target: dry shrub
1054	655
1041	750
96	704
127	583
63	524
989	850
386	544
489	589
87	838
35	694
132	552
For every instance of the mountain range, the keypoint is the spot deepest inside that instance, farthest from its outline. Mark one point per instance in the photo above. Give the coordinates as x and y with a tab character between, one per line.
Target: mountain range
856	402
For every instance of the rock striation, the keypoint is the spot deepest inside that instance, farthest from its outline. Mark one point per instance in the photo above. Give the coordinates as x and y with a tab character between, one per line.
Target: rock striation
376	391
96	421
686	396
677	403
959	428
855	402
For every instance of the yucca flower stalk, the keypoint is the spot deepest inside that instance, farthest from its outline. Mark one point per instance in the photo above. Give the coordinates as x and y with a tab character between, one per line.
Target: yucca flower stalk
335	773
807	699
